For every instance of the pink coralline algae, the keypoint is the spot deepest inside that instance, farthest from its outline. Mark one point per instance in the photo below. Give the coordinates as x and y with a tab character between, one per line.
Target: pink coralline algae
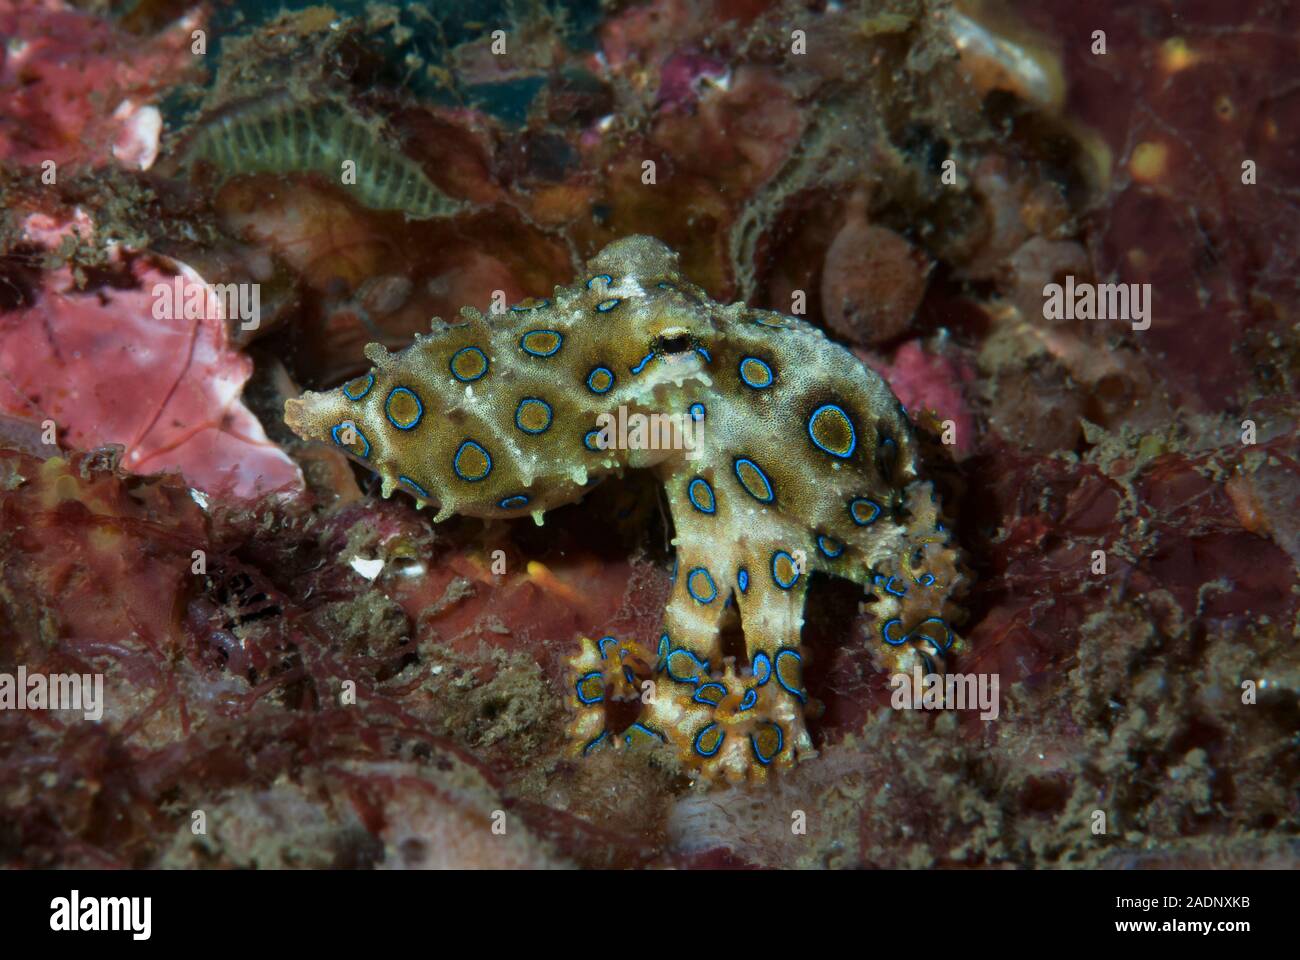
79	89
109	366
931	385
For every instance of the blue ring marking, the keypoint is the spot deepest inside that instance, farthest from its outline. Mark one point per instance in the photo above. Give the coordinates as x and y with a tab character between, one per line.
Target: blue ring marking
763	661
513	502
755	384
697	411
419	408
609	281
695	661
629	676
695	745
690	586
665	285
664	645
627	737
767	484
750	698
538	305
672	577
455	463
607	305
853	434
519	412
784	585
780	680
701	496
334	434
780	744
589	441
884	632
889	588
451	364
600	645
829	546
370	382
644	360
927	581
592	376
577	688
947	631
712	684
559	342
415	486
705	354
853	513
742	579
595	743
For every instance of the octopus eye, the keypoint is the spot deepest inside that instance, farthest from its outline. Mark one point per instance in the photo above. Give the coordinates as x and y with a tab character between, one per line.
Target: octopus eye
673	341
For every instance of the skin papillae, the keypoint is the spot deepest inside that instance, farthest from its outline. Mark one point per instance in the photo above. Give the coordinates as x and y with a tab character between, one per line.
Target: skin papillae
781	454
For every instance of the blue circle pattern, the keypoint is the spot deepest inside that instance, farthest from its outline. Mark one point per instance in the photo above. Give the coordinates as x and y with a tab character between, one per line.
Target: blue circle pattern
829	546
767	484
370	382
763	380
776	578
860	502
419	408
529	402
460	452
592	376
534	352
451	364
334	435
758	753
700	594
853	436
701	496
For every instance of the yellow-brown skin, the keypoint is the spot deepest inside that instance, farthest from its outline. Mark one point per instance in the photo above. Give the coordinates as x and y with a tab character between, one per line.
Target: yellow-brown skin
777	399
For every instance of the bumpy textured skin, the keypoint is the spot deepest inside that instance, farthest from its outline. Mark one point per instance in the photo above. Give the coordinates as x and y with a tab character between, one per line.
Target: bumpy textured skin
803	461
